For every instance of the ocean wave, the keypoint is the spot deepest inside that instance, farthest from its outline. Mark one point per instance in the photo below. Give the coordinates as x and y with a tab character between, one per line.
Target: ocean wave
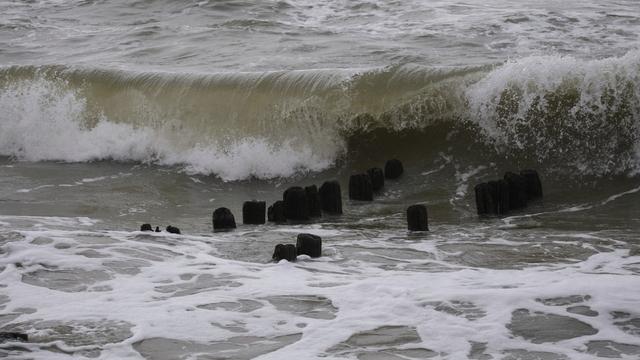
557	112
575	114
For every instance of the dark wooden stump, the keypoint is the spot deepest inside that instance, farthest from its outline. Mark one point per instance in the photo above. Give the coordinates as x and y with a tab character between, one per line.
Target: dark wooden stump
146	227
223	219
173	230
534	185
393	169
253	212
517	190
377	178
308	244
331	197
360	187
276	212
315	208
287	252
296	204
483	199
417	218
499	192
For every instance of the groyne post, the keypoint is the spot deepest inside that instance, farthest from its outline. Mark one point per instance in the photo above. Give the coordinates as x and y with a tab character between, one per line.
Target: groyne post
331	197
309	244
417	218
253	212
223	219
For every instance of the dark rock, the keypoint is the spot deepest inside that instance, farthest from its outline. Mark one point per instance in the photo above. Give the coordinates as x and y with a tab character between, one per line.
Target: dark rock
315	208
308	244
296	204
253	212
276	212
146	227
287	252
173	230
360	187
13	336
517	190
417	218
393	169
331	197
533	183
157	228
377	178
223	219
499	192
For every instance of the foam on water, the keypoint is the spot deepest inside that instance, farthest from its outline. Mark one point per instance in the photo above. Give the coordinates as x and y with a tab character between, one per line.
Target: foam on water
105	294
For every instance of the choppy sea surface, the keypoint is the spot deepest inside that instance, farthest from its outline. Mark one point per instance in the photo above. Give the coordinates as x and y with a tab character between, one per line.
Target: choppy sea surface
118	113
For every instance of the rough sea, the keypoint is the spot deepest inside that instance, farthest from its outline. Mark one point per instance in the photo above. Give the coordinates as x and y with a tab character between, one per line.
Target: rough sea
118	113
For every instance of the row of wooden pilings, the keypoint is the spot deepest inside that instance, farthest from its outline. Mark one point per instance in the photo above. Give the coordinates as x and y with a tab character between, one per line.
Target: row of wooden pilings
302	204
513	191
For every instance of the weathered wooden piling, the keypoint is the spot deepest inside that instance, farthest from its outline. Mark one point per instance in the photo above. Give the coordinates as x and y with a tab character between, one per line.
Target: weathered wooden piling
223	219
276	212
517	190
287	252
533	183
253	212
483	199
308	244
377	178
315	208
511	192
331	197
360	187
417	218
499	192
393	169
296	203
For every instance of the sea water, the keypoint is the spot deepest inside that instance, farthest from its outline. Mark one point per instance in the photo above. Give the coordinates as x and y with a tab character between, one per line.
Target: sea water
118	113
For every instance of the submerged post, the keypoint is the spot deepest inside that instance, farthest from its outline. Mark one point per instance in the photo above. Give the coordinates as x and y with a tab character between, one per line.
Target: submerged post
377	178
331	197
223	219
417	218
393	169
315	208
296	203
517	190
533	183
287	252
308	244
276	212
360	187
253	212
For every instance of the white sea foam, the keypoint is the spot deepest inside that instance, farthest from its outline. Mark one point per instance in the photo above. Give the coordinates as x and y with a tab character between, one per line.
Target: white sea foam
112	290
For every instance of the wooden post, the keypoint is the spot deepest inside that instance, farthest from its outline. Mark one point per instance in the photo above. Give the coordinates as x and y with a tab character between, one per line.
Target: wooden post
223	219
